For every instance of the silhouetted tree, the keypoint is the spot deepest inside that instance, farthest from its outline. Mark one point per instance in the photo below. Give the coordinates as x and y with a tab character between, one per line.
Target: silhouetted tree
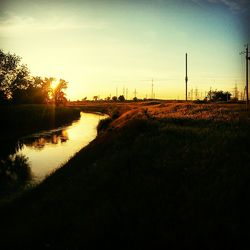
95	98
22	79
135	99
219	95
121	98
17	86
38	91
58	93
47	86
114	98
13	75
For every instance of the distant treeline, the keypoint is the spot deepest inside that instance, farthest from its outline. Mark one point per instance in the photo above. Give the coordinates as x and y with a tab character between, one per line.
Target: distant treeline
17	86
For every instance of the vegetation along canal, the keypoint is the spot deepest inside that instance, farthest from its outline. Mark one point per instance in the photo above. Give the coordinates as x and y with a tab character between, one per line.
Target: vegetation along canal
39	154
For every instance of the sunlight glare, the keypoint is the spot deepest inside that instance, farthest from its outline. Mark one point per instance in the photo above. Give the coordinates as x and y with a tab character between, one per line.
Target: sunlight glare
54	84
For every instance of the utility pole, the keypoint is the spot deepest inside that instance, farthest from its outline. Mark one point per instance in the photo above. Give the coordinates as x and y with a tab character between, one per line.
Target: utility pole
116	92
196	94
210	93
126	93
152	89
192	94
135	92
236	92
247	58
186	78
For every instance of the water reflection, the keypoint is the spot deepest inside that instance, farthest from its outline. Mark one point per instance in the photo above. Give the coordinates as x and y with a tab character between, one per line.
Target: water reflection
32	158
50	149
39	141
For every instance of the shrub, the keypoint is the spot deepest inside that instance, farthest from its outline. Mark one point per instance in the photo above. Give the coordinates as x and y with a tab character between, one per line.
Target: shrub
103	124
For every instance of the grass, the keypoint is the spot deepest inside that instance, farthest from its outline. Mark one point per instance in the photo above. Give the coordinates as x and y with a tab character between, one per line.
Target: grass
164	175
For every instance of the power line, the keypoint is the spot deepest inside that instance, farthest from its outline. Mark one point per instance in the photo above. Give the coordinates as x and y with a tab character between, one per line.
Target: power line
152	89
186	78
247	59
135	93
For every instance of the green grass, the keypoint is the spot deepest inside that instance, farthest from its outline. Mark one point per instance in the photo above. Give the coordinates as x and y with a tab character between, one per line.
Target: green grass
153	183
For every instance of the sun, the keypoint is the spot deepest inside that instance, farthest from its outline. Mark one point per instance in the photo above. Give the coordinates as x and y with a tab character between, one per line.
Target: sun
54	84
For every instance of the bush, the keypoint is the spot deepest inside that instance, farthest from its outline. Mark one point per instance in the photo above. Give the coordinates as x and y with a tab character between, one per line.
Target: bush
14	173
103	124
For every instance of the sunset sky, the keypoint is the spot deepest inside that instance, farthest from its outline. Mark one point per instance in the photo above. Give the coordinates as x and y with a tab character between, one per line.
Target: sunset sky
100	45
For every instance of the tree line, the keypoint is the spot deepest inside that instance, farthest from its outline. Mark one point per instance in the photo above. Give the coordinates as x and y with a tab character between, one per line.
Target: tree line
17	86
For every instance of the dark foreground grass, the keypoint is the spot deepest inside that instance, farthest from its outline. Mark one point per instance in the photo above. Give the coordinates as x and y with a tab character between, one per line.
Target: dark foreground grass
151	184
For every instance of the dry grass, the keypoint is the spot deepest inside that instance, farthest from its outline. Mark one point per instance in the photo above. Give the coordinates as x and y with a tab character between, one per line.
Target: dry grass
169	175
207	112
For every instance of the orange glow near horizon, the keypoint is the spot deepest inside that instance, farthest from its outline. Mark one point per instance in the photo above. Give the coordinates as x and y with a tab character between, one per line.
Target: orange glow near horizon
119	47
54	84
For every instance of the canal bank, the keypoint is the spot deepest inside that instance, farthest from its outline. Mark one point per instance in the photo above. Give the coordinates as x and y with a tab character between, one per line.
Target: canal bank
21	120
37	155
144	182
26	130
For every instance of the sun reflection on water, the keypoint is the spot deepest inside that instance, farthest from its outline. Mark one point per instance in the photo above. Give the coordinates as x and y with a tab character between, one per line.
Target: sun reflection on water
49	150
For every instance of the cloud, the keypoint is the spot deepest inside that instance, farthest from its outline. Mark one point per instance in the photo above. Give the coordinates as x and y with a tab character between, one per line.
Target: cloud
237	6
240	8
18	24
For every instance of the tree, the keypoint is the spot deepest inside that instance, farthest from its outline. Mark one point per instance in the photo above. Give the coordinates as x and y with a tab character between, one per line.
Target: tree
59	94
219	95
38	91
17	86
22	79
121	98
13	75
95	98
114	98
42	90
47	87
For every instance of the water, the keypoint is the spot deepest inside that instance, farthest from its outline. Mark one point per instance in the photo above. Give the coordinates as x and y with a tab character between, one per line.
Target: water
46	151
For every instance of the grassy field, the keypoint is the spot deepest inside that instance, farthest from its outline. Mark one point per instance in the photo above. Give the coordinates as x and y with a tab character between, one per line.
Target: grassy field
159	175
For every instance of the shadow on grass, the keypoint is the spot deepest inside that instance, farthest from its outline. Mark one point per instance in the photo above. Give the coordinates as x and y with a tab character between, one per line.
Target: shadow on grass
152	183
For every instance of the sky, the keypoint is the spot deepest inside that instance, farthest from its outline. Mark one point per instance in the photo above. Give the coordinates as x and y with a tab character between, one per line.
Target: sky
103	47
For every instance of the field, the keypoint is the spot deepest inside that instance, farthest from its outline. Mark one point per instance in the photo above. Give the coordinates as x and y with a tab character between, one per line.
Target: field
159	175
